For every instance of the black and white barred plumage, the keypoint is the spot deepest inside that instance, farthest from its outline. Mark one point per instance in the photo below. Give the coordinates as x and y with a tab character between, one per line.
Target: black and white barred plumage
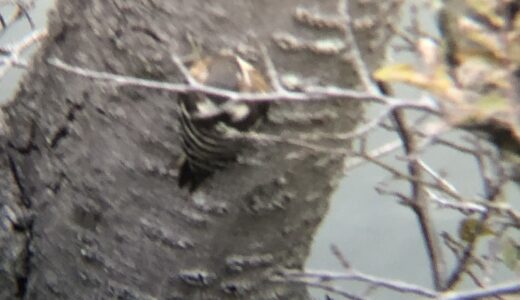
206	121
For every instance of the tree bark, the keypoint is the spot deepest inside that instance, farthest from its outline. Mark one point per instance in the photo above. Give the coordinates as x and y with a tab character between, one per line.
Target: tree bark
90	203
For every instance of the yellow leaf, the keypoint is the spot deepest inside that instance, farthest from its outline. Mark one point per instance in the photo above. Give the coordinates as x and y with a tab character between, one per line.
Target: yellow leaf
492	103
487	9
437	82
398	73
487	45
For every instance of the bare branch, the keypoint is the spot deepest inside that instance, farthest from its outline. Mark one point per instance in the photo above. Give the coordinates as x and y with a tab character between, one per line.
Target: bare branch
10	55
312	93
490	291
354	275
271	71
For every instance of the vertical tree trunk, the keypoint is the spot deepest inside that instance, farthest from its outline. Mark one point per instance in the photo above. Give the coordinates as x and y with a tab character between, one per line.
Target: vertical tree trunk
91	207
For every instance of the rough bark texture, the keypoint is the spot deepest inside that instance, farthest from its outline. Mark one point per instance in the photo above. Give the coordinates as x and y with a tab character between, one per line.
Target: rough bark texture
90	204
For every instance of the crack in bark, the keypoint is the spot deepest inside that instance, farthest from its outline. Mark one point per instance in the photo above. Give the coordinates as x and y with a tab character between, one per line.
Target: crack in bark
23	277
63	131
26	201
24	227
56	186
30	146
148	32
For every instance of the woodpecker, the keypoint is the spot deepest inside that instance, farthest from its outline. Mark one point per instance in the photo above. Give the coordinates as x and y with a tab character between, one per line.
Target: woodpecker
205	120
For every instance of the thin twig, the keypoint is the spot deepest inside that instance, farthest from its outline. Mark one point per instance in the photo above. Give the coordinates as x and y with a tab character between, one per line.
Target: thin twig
354	275
271	70
324	287
10	55
373	154
312	93
490	291
420	203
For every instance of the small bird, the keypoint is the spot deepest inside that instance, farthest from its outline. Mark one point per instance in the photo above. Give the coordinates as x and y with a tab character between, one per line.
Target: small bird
205	120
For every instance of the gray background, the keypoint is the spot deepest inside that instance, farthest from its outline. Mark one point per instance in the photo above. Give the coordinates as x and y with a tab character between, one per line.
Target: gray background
377	235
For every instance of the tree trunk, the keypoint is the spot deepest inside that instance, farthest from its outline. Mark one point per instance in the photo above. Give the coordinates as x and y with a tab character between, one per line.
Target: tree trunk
90	203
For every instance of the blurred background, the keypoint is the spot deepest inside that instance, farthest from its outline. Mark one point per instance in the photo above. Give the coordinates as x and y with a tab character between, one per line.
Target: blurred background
376	234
